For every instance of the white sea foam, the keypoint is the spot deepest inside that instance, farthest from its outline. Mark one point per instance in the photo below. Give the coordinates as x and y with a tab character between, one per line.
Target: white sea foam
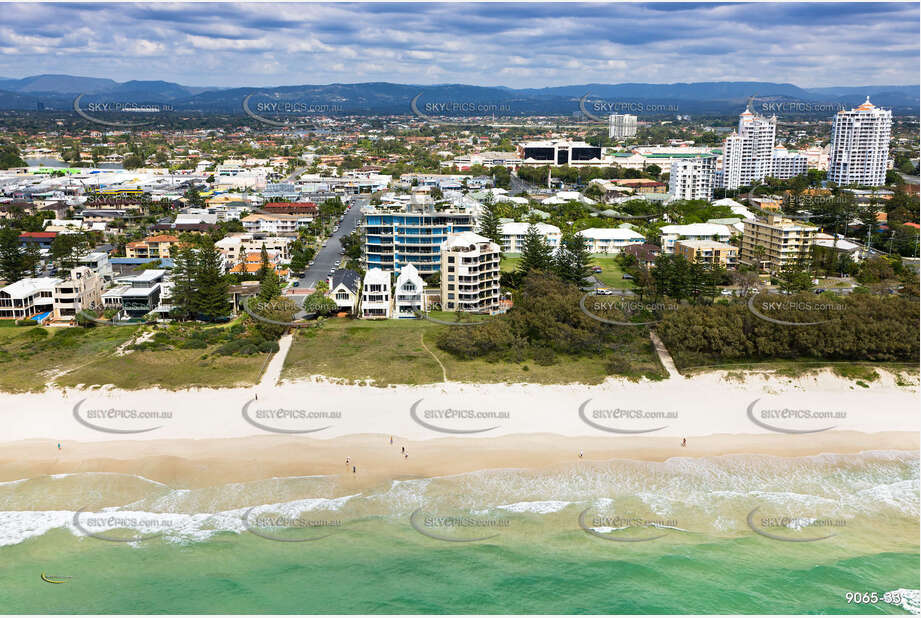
18	526
911	600
541	507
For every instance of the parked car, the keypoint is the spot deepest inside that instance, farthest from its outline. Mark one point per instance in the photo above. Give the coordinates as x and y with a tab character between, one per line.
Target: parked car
726	292
819	290
604	291
597	269
297	284
627	276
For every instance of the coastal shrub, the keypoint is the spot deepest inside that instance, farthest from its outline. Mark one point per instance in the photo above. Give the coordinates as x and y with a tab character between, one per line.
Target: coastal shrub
867	328
545	323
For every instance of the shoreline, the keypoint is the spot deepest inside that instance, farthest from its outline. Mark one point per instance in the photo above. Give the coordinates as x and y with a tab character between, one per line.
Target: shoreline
203	463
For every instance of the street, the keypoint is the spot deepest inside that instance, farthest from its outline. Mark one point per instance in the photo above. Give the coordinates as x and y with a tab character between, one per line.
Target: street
328	255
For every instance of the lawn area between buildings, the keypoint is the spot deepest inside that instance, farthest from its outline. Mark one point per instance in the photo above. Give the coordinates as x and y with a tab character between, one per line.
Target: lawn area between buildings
611	274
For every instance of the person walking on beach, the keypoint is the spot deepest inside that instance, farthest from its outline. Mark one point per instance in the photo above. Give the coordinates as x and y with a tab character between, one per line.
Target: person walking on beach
348	460
684	441
59	446
391	440
580	454
354	469
402	449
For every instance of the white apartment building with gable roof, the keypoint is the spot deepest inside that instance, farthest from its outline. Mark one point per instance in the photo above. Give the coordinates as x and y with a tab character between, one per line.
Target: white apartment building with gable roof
408	294
375	295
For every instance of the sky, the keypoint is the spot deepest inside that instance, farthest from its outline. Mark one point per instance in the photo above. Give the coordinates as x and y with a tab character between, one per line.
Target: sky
515	45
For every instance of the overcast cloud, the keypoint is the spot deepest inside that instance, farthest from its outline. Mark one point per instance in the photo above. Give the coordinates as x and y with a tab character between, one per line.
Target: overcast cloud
515	45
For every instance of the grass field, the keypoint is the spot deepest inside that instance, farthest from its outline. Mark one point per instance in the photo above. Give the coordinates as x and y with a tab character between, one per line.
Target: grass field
391	352
169	369
611	274
32	356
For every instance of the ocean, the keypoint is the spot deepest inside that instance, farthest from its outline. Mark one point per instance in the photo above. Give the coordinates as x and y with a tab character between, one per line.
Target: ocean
733	534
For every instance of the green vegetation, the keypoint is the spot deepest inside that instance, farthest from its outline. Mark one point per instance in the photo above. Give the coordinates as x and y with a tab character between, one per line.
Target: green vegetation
181	356
547	325
33	356
866	329
612	274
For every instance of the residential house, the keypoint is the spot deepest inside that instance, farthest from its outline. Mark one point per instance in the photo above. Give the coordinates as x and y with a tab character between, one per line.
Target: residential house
408	293
345	289
151	247
79	291
375	295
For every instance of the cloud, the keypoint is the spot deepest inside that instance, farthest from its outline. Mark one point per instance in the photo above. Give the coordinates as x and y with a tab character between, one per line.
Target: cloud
509	44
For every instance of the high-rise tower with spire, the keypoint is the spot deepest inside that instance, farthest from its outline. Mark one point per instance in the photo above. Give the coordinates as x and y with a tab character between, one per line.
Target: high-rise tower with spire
859	150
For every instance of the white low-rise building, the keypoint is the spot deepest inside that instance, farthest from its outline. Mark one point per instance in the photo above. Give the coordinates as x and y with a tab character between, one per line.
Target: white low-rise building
670	234
375	295
610	240
514	233
28	297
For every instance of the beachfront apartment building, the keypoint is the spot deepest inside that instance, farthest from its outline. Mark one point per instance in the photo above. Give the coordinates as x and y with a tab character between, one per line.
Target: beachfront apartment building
138	295
408	293
152	247
775	242
514	233
670	234
469	273
394	235
621	126
376	298
610	240
709	252
81	290
56	298
692	179
859	151
28	297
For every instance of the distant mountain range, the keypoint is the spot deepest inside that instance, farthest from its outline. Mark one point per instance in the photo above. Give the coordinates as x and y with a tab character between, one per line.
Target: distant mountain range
57	92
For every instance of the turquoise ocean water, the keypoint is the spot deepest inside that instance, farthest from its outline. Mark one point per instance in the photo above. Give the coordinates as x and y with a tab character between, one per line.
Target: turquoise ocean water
734	534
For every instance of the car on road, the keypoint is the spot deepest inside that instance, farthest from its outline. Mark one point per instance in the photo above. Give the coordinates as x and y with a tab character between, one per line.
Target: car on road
297	284
627	276
819	290
725	292
604	291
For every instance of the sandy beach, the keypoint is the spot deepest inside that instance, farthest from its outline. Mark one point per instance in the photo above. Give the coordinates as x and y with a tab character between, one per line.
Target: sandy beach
200	437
